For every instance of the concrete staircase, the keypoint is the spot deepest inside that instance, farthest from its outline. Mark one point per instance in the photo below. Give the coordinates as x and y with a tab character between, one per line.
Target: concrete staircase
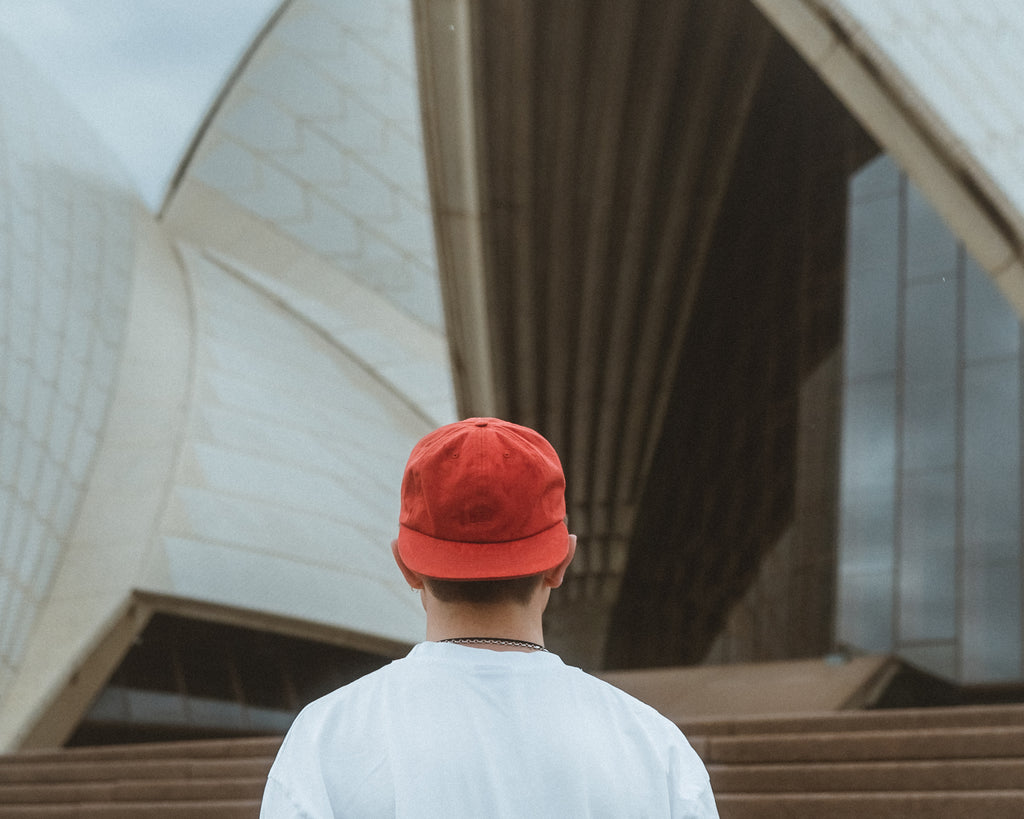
935	763
205	779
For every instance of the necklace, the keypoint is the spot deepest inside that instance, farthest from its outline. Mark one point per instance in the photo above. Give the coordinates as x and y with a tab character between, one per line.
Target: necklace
496	641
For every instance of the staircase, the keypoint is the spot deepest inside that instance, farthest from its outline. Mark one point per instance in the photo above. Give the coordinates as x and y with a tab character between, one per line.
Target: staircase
206	779
935	763
938	763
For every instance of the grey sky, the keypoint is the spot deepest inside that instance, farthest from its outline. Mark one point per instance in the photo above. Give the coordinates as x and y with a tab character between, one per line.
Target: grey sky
142	72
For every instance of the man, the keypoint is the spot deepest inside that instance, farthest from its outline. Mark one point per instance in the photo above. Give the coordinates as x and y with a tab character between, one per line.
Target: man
480	720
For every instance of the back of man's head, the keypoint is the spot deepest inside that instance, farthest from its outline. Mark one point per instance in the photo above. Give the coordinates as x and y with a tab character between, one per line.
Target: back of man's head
482	499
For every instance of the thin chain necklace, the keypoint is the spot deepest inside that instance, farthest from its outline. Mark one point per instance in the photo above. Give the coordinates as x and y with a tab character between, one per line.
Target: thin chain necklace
495	641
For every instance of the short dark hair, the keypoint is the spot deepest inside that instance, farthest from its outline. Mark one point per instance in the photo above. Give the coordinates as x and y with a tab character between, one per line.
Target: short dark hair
481	592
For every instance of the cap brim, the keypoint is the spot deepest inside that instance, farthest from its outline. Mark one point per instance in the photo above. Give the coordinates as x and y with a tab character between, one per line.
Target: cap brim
453	560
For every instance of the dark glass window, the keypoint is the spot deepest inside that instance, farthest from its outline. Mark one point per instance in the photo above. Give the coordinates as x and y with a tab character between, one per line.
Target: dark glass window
187	678
927	567
930	499
992	453
993	330
931	248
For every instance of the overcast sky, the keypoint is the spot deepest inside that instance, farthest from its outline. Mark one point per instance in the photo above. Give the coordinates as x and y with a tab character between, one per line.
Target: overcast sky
142	72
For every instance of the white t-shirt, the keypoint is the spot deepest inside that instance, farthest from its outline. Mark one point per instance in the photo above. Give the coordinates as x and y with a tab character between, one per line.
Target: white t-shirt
456	731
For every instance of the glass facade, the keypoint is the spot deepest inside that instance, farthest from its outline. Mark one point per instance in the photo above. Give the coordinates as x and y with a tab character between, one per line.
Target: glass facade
930	498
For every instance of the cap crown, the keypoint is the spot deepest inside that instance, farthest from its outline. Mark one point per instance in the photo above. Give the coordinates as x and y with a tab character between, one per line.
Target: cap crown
482	498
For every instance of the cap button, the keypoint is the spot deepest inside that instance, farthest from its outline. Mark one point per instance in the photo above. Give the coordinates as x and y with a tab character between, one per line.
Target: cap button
481	423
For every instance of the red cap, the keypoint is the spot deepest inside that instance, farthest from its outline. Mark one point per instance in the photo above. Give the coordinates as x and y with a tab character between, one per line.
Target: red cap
482	499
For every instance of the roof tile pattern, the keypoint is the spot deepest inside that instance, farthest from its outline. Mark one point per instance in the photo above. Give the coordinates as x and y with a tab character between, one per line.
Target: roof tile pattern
964	64
67	245
320	136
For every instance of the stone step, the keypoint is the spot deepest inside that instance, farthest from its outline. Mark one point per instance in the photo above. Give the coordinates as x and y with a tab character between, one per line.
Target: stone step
952	775
983	716
130	790
55	771
234	809
864	746
251	747
909	805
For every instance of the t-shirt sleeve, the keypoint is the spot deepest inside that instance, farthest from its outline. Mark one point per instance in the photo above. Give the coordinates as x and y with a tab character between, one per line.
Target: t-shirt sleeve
699	805
692	797
295	788
278	803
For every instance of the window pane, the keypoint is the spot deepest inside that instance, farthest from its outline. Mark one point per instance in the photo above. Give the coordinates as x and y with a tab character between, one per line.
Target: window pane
866	530
866	516
869	434
931	331
992	452
930	386
991	627
872	289
993	328
927	585
865	610
929	434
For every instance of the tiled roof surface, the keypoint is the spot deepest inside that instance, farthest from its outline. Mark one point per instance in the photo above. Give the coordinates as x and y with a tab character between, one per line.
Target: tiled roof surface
964	64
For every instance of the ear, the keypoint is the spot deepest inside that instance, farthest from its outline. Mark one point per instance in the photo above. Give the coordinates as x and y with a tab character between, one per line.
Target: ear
413	579
553	577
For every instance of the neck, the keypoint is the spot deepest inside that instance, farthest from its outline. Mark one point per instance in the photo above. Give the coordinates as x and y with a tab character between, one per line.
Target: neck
511	621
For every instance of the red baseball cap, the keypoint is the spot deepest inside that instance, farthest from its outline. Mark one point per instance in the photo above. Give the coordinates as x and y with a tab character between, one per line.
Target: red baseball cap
482	499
